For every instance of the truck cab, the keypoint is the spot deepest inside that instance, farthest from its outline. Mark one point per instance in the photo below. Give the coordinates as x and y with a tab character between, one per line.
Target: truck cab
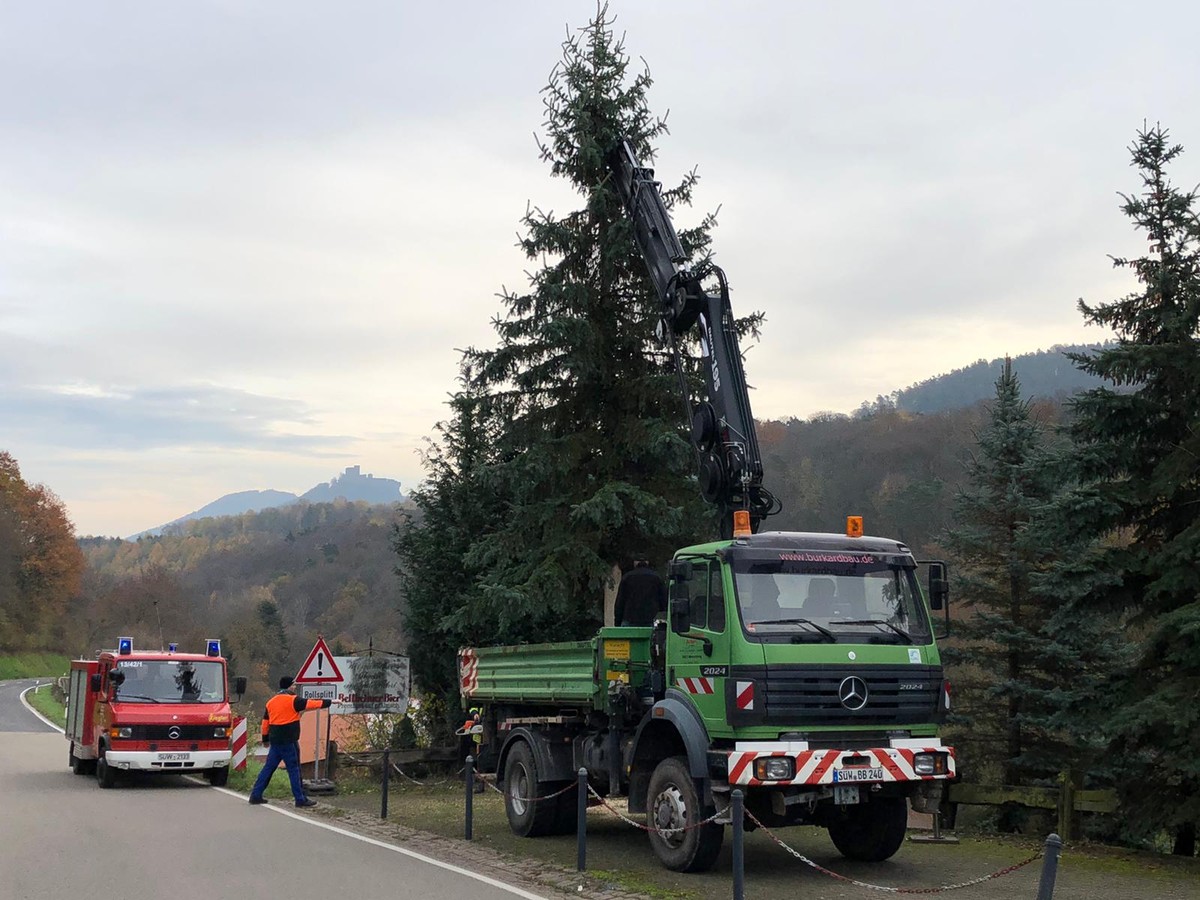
148	711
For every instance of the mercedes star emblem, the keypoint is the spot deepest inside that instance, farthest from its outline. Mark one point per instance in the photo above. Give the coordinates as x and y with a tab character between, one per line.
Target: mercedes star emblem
853	692
173	732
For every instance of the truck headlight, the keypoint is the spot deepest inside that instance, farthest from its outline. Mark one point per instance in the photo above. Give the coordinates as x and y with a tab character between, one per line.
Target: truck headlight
221	732
123	732
775	768
929	763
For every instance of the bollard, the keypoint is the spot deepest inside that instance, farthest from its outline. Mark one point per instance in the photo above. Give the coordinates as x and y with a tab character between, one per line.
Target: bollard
739	847
581	820
469	771
383	792
1049	868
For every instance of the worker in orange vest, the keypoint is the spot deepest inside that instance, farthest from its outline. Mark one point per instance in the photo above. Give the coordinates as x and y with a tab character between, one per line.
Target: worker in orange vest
281	731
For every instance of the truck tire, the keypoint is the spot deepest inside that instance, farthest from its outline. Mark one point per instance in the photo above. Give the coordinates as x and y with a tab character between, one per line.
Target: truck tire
527	816
217	777
79	766
673	802
871	832
106	775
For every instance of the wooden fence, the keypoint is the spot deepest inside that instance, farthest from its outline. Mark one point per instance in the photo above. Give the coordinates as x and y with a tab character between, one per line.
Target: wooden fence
1066	799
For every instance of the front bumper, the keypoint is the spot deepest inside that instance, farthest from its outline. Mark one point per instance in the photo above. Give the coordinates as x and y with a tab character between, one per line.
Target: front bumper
167	761
877	765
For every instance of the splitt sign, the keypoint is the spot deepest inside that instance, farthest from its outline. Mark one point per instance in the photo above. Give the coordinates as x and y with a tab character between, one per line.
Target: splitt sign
356	684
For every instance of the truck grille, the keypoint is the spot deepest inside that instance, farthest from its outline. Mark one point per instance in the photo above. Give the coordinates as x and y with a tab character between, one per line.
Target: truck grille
163	732
800	695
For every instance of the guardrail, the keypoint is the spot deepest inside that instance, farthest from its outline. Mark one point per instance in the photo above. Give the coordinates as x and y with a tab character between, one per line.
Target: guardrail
1066	799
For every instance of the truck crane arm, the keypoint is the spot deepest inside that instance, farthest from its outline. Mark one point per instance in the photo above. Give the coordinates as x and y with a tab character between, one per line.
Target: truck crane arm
729	465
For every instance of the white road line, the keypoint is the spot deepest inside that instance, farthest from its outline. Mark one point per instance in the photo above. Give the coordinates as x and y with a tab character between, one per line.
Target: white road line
350	834
25	703
386	846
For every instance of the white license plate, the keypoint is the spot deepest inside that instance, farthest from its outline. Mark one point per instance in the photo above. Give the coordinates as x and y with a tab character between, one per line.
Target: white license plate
174	757
873	773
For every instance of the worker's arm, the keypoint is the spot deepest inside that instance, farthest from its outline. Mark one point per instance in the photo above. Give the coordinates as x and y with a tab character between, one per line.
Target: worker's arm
266	725
301	705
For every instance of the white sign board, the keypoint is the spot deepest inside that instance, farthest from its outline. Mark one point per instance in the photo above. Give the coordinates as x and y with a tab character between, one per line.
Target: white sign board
371	684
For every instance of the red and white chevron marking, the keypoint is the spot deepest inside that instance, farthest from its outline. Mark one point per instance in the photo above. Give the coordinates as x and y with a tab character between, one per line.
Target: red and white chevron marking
745	695
237	743
468	672
817	766
696	685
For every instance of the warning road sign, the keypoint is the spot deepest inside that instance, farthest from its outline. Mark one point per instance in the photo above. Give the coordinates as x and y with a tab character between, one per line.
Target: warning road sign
319	668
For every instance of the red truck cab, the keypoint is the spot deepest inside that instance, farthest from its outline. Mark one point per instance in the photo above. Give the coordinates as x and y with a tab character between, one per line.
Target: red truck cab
150	711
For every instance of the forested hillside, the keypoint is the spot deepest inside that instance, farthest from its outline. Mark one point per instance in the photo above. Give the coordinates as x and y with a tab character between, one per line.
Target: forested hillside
266	583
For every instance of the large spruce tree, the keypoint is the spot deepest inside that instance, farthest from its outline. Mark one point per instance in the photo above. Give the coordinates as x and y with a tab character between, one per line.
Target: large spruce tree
567	452
1138	449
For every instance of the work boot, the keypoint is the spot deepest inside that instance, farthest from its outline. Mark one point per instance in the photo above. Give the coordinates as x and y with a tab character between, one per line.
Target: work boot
257	801
306	802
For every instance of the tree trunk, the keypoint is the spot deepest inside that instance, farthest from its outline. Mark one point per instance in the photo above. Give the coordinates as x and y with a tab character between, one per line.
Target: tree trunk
1185	840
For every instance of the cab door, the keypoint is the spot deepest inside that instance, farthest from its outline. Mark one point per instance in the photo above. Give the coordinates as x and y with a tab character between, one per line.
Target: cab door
698	662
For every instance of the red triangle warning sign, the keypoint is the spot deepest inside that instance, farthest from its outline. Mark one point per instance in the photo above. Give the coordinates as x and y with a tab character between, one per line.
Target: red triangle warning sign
319	668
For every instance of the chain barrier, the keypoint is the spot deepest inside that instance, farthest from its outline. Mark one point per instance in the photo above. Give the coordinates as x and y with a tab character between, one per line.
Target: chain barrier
1007	870
502	793
397	769
351	759
663	831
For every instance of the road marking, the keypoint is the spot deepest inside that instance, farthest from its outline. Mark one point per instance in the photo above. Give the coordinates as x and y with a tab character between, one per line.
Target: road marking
26	704
350	834
386	846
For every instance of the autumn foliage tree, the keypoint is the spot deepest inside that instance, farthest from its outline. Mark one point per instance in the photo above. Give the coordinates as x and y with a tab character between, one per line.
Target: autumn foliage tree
40	563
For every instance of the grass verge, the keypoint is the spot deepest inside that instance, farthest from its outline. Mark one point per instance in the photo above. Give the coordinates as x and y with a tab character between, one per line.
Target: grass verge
33	665
43	701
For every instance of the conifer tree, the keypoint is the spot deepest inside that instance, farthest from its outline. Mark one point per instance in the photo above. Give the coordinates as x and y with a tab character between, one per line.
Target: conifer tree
593	459
1138	448
995	557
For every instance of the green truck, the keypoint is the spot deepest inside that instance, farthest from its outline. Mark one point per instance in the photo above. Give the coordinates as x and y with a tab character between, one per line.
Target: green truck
800	668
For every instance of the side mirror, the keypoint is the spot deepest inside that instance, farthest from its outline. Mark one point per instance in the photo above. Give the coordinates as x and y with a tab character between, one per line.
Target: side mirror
681	615
939	591
239	686
95	682
116	677
680	570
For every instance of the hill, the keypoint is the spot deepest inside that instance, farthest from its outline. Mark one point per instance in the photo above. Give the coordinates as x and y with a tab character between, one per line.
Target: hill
351	486
1043	374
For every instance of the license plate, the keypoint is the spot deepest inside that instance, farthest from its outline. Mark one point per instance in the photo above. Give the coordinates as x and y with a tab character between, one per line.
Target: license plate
873	773
845	794
174	757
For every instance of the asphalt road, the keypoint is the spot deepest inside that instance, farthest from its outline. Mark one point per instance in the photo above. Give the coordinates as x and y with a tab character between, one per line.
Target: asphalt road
61	835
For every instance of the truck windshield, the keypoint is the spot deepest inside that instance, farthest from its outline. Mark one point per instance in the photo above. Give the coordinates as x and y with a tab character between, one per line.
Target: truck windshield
170	681
788	593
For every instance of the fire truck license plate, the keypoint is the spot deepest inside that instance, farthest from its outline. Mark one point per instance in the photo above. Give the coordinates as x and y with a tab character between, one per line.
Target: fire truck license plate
174	757
872	773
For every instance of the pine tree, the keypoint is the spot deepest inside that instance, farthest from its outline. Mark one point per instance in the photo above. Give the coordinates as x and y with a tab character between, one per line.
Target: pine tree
1138	445
995	558
592	456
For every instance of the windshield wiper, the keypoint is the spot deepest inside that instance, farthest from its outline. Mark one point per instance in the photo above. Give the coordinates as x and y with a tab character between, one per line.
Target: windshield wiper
121	696
829	635
900	631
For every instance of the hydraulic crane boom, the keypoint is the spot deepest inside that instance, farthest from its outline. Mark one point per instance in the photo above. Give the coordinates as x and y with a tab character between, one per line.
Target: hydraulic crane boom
722	426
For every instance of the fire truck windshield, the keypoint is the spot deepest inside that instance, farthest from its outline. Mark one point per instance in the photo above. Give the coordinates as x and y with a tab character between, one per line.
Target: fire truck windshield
842	593
170	681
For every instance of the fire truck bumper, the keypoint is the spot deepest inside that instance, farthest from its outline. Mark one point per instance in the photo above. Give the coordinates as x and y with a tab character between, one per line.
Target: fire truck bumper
777	763
167	761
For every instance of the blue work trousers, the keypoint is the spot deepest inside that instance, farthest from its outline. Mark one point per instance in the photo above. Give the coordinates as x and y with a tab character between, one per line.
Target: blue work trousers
289	755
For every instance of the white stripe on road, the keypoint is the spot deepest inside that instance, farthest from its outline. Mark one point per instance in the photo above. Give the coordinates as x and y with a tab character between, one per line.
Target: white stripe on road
386	846
25	703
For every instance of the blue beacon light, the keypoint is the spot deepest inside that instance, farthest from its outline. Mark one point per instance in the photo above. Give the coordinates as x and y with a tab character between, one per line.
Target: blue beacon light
214	648
124	646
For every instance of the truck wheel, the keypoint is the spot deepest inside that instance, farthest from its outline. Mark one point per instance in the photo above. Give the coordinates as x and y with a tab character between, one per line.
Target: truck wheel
78	766
673	802
217	777
105	774
871	832
527	817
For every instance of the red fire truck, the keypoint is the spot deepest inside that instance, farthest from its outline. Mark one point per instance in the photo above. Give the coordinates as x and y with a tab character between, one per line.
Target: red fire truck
149	711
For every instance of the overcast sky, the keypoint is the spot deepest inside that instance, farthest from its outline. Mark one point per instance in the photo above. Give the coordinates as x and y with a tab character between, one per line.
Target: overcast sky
240	242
